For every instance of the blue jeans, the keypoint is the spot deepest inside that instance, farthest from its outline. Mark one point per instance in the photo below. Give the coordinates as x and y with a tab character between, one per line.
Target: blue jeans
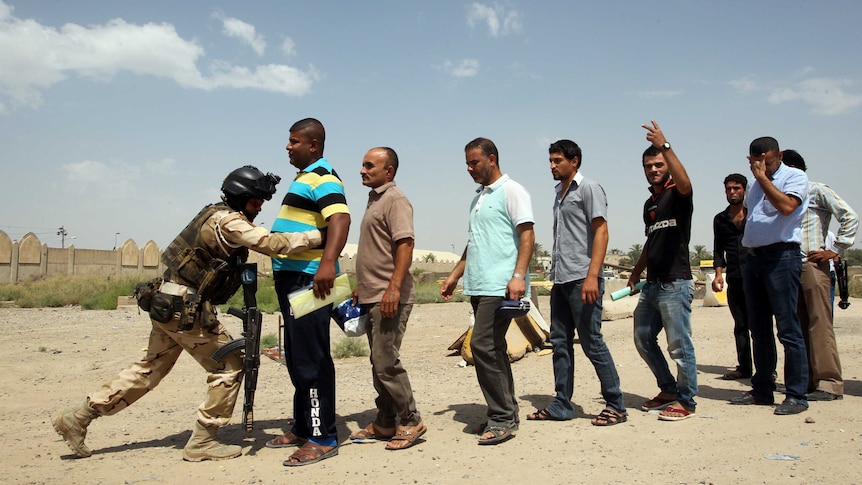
569	313
772	289
668	306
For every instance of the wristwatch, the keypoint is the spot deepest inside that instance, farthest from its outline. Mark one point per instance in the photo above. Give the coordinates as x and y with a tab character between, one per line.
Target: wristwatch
665	146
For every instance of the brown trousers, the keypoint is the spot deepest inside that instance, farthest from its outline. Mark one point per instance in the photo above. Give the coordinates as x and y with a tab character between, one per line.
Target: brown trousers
165	346
815	314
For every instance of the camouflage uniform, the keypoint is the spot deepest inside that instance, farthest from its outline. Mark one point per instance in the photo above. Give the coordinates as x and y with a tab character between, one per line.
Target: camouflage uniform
224	234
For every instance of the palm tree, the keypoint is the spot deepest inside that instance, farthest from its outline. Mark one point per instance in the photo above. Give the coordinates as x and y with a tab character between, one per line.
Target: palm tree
633	255
699	254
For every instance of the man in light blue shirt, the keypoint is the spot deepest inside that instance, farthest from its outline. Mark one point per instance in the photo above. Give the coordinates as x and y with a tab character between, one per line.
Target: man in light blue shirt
495	267
776	202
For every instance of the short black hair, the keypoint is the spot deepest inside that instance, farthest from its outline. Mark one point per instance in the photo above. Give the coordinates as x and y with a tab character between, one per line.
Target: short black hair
738	178
569	149
312	127
762	145
488	147
651	151
792	158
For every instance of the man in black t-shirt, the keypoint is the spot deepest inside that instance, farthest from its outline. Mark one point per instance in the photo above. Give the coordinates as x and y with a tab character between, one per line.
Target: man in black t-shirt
665	303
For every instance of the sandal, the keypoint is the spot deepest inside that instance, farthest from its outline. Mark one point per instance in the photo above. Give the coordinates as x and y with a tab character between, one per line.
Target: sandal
500	434
285	441
673	413
543	415
310	453
658	402
372	434
406	437
609	417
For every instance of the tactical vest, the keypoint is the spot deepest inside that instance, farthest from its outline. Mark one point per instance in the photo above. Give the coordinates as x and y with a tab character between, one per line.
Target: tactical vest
191	262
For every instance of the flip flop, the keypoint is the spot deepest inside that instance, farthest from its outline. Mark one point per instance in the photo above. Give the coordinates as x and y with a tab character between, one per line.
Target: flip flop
406	437
310	453
682	413
285	441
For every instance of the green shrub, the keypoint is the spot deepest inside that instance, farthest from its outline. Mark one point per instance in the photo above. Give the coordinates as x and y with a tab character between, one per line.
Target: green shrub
430	293
268	341
267	300
350	347
91	292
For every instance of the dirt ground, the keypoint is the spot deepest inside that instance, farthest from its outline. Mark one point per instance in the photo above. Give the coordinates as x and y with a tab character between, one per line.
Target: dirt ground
54	357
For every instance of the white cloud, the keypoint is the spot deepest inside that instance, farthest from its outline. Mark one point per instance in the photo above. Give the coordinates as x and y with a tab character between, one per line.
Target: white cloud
745	85
826	96
34	57
288	47
499	19
463	68
115	180
245	32
270	77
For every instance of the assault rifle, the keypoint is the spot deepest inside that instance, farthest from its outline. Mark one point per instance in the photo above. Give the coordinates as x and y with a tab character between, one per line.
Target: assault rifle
843	290
249	343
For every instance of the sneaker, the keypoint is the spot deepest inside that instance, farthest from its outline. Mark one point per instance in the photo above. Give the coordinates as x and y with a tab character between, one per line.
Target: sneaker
791	406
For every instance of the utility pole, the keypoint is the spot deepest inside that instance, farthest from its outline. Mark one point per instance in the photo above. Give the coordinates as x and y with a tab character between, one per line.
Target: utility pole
62	233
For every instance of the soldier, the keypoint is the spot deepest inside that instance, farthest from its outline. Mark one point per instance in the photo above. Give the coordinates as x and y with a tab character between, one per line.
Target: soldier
202	272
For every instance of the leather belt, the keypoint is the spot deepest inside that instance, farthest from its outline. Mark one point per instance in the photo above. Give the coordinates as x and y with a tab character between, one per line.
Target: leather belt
771	248
667	279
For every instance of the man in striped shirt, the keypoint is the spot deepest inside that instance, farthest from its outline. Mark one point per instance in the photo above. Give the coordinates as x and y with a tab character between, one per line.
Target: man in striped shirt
815	298
315	199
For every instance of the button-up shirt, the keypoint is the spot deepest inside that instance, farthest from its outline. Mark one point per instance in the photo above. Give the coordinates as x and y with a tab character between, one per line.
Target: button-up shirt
823	204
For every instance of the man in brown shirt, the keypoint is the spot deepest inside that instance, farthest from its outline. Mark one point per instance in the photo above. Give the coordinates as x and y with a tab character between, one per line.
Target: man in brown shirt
385	288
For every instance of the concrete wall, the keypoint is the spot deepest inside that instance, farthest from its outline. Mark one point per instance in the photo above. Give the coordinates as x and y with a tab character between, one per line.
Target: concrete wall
29	258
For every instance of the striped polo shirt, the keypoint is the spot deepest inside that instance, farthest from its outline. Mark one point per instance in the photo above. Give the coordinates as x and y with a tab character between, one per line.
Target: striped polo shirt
314	195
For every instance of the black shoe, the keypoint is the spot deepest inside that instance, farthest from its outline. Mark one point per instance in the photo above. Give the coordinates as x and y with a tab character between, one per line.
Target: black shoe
823	396
736	374
790	406
748	398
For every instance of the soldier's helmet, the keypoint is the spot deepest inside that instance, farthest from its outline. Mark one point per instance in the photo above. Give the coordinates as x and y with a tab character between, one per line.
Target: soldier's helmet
248	181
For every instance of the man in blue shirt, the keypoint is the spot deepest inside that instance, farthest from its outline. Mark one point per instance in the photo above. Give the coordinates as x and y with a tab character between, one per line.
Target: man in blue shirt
580	244
495	267
776	202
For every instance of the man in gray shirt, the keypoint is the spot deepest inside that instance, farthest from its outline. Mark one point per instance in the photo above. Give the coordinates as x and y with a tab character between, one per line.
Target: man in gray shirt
580	244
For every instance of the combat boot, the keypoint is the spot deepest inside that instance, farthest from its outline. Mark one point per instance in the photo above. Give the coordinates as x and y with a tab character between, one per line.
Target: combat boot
204	446
72	424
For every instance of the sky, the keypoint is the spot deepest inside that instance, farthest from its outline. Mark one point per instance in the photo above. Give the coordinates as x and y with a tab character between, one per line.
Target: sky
120	119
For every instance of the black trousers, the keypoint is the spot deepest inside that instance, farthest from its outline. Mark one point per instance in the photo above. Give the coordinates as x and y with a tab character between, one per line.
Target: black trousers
309	362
